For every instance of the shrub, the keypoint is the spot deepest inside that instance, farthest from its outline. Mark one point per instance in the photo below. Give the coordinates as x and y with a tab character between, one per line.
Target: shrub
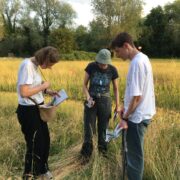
79	55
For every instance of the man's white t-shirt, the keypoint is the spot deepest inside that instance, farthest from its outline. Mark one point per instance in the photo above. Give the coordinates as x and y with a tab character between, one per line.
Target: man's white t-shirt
140	83
28	74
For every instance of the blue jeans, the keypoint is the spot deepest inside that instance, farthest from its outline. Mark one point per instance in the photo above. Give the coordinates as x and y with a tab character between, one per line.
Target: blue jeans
135	154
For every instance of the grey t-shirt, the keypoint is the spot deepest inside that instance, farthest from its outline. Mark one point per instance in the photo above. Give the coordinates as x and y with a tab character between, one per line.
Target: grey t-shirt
100	79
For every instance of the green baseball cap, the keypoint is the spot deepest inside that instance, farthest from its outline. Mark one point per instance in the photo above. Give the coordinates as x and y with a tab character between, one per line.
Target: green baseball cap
104	56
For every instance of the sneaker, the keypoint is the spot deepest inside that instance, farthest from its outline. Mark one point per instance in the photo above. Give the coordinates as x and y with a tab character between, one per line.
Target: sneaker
28	177
48	176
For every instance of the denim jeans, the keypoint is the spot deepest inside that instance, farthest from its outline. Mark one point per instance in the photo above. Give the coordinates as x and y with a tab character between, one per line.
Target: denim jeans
135	154
102	111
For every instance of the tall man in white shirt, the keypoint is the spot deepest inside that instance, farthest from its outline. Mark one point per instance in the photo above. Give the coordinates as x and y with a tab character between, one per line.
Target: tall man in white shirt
139	102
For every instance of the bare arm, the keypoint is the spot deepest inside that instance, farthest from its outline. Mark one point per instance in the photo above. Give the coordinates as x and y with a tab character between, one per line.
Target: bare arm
132	106
27	91
85	86
90	100
116	93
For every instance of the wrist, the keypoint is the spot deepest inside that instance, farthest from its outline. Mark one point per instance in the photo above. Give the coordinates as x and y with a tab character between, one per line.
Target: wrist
117	106
45	91
124	119
88	98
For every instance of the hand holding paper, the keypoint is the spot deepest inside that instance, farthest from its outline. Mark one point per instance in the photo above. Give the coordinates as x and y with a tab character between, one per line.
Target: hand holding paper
56	100
51	92
59	98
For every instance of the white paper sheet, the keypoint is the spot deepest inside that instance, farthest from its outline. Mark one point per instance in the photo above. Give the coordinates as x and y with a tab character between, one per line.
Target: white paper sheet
113	134
62	96
56	100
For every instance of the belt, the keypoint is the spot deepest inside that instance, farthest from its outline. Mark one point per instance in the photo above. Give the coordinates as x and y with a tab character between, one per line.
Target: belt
99	95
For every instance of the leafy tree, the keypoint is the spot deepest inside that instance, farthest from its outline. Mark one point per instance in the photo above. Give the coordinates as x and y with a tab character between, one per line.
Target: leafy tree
98	37
62	39
1	28
161	31
10	12
30	28
156	22
119	15
51	13
172	35
81	35
92	39
65	15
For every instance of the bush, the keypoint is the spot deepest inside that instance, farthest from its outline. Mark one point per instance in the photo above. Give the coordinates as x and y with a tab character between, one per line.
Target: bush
79	55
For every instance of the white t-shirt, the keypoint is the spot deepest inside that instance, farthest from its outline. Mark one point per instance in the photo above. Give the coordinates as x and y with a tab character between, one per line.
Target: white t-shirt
28	74
140	83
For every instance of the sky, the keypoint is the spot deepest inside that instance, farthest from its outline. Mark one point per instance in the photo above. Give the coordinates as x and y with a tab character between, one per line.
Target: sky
83	9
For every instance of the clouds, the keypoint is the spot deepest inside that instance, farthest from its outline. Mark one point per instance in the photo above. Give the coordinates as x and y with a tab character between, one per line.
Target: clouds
80	1
83	10
149	4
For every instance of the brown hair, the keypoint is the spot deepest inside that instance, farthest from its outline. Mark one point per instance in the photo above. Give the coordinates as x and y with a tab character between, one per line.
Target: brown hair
47	54
122	38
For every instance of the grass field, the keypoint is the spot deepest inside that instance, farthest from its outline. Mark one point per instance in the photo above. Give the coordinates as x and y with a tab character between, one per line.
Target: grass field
162	145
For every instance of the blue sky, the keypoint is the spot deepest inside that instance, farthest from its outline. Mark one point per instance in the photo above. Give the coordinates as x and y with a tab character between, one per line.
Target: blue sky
84	10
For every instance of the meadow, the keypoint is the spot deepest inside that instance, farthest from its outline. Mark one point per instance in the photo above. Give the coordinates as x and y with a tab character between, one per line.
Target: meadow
162	145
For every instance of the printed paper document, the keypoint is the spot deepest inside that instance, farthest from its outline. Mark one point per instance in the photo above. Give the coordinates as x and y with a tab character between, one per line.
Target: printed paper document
56	100
113	134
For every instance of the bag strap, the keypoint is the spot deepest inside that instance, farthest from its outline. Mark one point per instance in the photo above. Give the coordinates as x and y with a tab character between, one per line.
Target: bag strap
42	74
33	101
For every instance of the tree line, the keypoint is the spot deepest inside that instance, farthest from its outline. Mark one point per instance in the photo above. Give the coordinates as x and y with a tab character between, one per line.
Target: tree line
26	26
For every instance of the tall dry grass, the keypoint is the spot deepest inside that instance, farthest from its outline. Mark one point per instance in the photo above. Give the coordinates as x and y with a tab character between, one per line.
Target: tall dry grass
161	142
